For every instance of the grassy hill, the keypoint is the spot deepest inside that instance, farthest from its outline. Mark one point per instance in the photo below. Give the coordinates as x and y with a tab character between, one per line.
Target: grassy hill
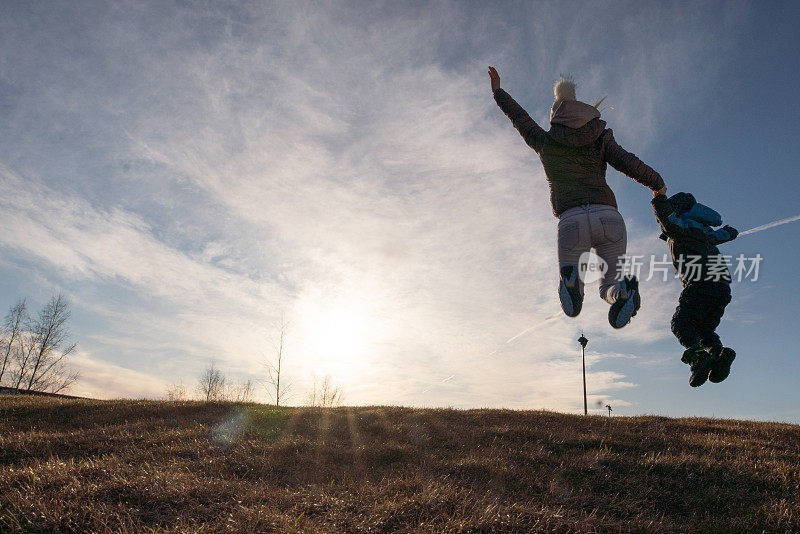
76	465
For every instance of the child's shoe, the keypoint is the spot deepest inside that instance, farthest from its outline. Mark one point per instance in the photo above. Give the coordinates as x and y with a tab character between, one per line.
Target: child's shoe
627	304
569	292
721	360
699	361
688	355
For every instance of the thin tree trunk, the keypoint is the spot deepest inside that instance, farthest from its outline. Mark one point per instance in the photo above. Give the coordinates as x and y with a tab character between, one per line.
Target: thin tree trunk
278	378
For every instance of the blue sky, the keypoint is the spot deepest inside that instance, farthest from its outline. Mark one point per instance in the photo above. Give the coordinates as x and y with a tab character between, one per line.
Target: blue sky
186	173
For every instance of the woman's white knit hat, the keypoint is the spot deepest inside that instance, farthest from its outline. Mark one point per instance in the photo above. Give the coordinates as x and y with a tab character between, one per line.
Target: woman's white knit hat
564	88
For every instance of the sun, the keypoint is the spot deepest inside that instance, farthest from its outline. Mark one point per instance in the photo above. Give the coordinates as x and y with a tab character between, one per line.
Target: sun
337	334
340	333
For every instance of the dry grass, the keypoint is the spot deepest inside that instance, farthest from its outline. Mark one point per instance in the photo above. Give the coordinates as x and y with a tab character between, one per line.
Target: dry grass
135	466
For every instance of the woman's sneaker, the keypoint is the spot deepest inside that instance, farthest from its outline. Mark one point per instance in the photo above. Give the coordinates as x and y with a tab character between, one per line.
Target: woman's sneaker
627	304
568	291
721	361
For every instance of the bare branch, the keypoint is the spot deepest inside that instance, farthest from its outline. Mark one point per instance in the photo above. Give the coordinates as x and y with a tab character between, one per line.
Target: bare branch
325	394
275	383
12	328
211	384
244	392
176	392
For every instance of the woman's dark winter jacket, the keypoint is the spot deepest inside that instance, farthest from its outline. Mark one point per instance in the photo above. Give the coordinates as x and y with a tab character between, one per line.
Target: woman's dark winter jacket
692	244
574	153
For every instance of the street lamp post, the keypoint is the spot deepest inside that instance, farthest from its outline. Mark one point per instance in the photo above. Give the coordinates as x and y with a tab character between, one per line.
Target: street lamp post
583	341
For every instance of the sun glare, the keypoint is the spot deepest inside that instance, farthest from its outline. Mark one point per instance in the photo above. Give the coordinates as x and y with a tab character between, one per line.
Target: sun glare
337	334
340	333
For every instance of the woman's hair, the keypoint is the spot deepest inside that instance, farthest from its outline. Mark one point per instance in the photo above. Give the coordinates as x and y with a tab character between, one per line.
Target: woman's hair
597	103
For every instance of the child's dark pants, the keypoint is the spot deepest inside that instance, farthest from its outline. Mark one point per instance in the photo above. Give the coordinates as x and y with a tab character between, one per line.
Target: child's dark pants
699	312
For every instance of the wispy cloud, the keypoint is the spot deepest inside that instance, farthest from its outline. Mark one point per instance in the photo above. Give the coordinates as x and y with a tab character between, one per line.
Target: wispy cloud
100	379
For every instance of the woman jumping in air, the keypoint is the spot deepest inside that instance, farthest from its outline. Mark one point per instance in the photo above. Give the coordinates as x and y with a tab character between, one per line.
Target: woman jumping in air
574	153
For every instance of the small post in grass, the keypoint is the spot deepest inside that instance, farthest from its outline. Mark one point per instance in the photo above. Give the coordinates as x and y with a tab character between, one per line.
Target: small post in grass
583	341
609	409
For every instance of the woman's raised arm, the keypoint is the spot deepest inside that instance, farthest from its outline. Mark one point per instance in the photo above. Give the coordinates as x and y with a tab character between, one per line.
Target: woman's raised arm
531	132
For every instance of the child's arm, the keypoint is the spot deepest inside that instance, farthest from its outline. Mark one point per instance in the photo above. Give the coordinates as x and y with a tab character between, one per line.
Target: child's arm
663	211
531	132
675	227
725	234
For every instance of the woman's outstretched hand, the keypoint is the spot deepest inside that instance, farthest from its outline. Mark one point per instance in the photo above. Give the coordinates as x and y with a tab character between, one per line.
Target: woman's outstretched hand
662	191
495	79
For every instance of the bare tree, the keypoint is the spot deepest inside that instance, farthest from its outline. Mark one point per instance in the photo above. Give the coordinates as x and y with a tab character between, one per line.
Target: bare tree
243	392
211	384
43	349
331	395
324	394
277	389
176	392
237	391
12	329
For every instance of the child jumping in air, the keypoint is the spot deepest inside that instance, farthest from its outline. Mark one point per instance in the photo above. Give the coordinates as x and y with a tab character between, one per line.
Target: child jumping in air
687	229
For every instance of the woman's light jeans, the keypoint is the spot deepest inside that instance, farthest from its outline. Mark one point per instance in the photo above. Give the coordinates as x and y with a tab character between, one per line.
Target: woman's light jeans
602	228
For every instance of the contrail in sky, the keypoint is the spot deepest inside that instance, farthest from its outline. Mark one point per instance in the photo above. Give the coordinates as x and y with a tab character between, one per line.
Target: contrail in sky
770	225
537	325
449	378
